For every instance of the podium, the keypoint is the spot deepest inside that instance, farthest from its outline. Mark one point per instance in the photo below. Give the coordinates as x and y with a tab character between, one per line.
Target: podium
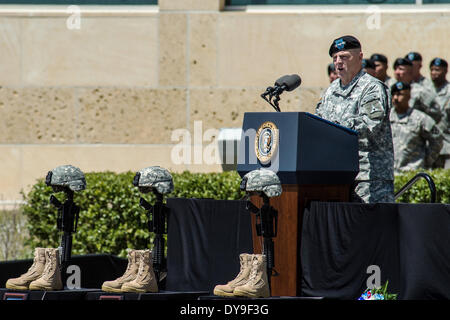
316	160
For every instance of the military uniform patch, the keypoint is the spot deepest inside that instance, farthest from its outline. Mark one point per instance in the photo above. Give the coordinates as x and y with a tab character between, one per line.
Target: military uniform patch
374	109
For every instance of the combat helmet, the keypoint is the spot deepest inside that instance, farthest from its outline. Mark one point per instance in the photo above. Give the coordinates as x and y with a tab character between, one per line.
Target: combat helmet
262	180
154	177
66	176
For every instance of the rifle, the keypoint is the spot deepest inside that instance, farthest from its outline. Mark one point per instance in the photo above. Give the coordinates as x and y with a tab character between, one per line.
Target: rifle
67	222
157	224
266	226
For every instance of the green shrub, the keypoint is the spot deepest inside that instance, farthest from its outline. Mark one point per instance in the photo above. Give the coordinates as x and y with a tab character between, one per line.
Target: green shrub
420	192
111	219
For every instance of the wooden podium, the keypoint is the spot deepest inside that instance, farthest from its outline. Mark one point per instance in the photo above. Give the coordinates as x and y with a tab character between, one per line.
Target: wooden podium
316	160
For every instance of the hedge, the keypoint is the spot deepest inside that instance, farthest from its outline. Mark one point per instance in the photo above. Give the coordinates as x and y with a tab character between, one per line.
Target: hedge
420	192
111	219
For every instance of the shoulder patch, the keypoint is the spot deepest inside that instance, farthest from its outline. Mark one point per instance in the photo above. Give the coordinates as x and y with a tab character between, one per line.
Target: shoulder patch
374	109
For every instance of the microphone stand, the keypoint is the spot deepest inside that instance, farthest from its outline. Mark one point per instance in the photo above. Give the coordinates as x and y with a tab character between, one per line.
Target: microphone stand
274	92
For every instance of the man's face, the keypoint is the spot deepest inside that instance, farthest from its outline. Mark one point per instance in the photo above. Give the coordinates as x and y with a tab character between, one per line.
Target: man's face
370	71
333	76
347	63
438	73
403	73
400	100
380	70
416	65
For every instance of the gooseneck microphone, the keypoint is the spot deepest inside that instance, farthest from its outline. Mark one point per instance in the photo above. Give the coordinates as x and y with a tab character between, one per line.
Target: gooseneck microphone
285	83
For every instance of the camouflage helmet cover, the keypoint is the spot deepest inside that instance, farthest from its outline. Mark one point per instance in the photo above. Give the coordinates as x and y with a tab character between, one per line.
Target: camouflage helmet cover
262	180
155	177
67	176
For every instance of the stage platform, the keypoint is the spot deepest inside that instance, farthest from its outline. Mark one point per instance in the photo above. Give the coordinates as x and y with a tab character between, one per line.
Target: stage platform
72	295
97	294
341	242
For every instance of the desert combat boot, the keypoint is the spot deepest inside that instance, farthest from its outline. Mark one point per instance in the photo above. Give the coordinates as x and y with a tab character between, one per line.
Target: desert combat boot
257	285
145	280
226	290
33	273
129	275
51	277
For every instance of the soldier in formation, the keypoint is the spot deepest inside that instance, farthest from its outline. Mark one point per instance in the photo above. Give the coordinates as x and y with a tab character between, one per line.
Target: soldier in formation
417	139
438	72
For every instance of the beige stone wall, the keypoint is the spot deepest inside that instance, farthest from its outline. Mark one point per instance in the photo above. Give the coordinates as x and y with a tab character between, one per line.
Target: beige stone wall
108	96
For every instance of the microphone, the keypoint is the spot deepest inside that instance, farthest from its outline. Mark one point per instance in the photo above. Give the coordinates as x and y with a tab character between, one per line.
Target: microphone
287	83
278	83
284	83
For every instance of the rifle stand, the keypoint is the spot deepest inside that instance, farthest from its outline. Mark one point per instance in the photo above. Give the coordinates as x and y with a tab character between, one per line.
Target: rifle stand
157	224
67	222
266	225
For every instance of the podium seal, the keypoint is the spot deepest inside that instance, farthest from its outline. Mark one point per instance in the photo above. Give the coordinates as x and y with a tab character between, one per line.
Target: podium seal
266	142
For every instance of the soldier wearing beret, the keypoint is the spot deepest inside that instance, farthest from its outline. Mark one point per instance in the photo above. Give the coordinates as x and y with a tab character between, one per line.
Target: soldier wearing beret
438	72
417	139
423	97
381	65
361	102
332	75
418	78
368	66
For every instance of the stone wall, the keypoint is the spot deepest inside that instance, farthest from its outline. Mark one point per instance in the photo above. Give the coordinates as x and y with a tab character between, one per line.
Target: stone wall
108	96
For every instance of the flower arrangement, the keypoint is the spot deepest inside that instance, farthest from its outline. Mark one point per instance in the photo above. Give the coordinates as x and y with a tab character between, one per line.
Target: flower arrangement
378	294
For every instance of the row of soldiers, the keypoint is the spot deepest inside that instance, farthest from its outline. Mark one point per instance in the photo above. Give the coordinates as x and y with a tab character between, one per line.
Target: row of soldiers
420	117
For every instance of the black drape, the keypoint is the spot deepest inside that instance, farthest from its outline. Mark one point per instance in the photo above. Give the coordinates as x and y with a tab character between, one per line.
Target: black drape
204	240
409	243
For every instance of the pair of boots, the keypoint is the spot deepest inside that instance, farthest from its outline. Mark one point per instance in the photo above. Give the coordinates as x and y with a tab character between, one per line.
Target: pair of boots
138	277
44	273
250	282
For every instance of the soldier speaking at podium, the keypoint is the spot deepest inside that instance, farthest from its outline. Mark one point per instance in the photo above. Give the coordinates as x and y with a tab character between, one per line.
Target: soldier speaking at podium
358	101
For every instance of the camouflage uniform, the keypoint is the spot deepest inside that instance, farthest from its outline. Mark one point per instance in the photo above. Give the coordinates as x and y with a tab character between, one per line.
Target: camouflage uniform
389	81
443	95
262	180
364	106
417	140
443	100
423	98
67	176
154	177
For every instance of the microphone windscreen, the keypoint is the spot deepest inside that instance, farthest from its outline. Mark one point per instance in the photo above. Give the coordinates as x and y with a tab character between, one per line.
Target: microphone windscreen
292	82
281	80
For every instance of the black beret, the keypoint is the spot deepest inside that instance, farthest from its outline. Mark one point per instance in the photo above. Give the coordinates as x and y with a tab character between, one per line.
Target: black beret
438	62
344	43
379	57
331	68
402	62
367	63
413	56
399	86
